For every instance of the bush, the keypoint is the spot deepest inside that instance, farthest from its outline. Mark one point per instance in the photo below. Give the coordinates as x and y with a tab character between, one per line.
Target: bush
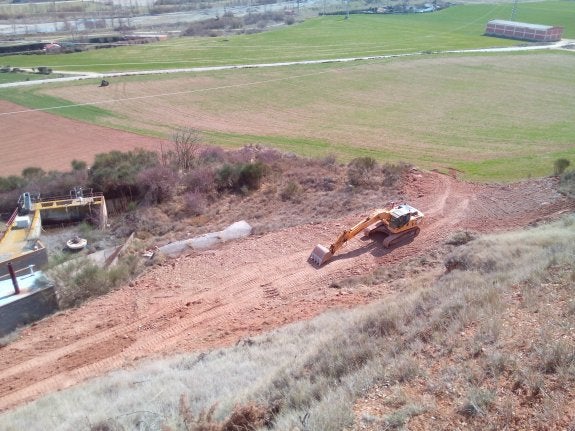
359	170
116	173
201	180
195	203
43	70
392	173
211	155
158	184
291	192
461	237
11	182
477	403
567	183
252	174
32	172
560	165
80	279
78	165
240	177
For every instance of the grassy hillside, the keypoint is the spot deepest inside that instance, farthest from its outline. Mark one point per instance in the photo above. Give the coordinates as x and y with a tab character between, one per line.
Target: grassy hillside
321	38
486	345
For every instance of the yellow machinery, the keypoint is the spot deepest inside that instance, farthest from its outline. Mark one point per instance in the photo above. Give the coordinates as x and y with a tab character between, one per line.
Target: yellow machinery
399	224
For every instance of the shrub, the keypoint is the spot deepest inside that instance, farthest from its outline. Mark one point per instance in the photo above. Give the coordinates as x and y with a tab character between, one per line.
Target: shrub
478	400
228	177
252	174
195	203
11	182
461	237
43	70
201	180
80	279
241	176
560	165
116	173
567	183
78	165
359	170
211	155
158	184
32	172
329	161
392	173
291	192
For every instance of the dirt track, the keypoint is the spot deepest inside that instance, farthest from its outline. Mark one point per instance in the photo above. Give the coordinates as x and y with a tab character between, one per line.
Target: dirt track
216	297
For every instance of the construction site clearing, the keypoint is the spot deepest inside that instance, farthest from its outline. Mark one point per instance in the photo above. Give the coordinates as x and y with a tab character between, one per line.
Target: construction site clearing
214	297
25	294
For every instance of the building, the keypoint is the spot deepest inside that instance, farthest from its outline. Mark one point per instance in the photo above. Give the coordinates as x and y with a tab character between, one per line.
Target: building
523	31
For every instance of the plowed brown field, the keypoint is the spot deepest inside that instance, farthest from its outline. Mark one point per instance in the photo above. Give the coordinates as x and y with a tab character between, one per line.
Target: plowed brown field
214	298
50	142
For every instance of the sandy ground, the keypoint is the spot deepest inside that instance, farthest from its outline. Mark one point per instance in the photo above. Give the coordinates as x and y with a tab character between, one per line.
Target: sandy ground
214	298
58	140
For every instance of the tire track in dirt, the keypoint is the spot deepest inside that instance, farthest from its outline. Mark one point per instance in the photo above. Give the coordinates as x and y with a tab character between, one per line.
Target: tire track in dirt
214	298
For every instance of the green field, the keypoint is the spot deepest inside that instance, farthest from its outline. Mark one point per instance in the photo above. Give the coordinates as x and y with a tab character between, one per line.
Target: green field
457	27
496	117
20	76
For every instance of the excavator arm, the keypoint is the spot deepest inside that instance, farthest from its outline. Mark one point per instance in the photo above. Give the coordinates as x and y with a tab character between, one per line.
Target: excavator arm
321	254
346	235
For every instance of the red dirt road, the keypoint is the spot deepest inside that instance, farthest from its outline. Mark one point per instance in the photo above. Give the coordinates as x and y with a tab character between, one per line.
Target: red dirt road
51	142
214	298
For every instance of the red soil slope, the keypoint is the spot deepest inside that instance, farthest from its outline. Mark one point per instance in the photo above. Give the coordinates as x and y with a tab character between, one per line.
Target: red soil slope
213	298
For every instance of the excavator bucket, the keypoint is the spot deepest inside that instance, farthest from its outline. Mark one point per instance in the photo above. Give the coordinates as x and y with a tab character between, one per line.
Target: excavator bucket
320	255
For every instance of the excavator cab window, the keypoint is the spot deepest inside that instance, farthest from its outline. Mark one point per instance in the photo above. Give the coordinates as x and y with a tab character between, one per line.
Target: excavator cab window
397	222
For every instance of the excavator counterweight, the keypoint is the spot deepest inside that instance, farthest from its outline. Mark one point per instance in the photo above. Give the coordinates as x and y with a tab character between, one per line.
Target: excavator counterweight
399	224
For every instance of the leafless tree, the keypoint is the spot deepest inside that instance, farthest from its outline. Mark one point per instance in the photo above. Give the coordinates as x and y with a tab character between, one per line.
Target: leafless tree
186	146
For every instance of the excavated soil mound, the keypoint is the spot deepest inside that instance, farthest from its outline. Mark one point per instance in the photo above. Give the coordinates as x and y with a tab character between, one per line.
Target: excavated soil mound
212	298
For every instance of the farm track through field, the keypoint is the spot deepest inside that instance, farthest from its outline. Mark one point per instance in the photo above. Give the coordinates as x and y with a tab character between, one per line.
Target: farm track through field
78	76
215	298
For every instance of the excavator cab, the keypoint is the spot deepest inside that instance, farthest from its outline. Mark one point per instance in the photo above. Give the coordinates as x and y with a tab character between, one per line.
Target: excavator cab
400	216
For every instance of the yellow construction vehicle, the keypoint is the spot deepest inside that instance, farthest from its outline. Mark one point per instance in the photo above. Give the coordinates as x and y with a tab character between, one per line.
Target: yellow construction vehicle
399	224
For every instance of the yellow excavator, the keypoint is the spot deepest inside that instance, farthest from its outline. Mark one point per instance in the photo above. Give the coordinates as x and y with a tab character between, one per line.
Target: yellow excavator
399	224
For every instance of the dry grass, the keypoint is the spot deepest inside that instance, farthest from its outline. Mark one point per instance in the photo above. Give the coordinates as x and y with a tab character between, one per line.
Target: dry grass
308	375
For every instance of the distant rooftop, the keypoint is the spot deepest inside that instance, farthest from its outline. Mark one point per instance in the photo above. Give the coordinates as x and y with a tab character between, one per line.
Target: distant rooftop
521	24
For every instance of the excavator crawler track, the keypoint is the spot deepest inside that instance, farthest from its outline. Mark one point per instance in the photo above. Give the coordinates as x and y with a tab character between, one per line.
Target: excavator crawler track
396	239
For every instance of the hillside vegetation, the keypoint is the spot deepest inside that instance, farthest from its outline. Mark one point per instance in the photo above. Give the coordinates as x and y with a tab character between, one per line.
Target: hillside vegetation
486	344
